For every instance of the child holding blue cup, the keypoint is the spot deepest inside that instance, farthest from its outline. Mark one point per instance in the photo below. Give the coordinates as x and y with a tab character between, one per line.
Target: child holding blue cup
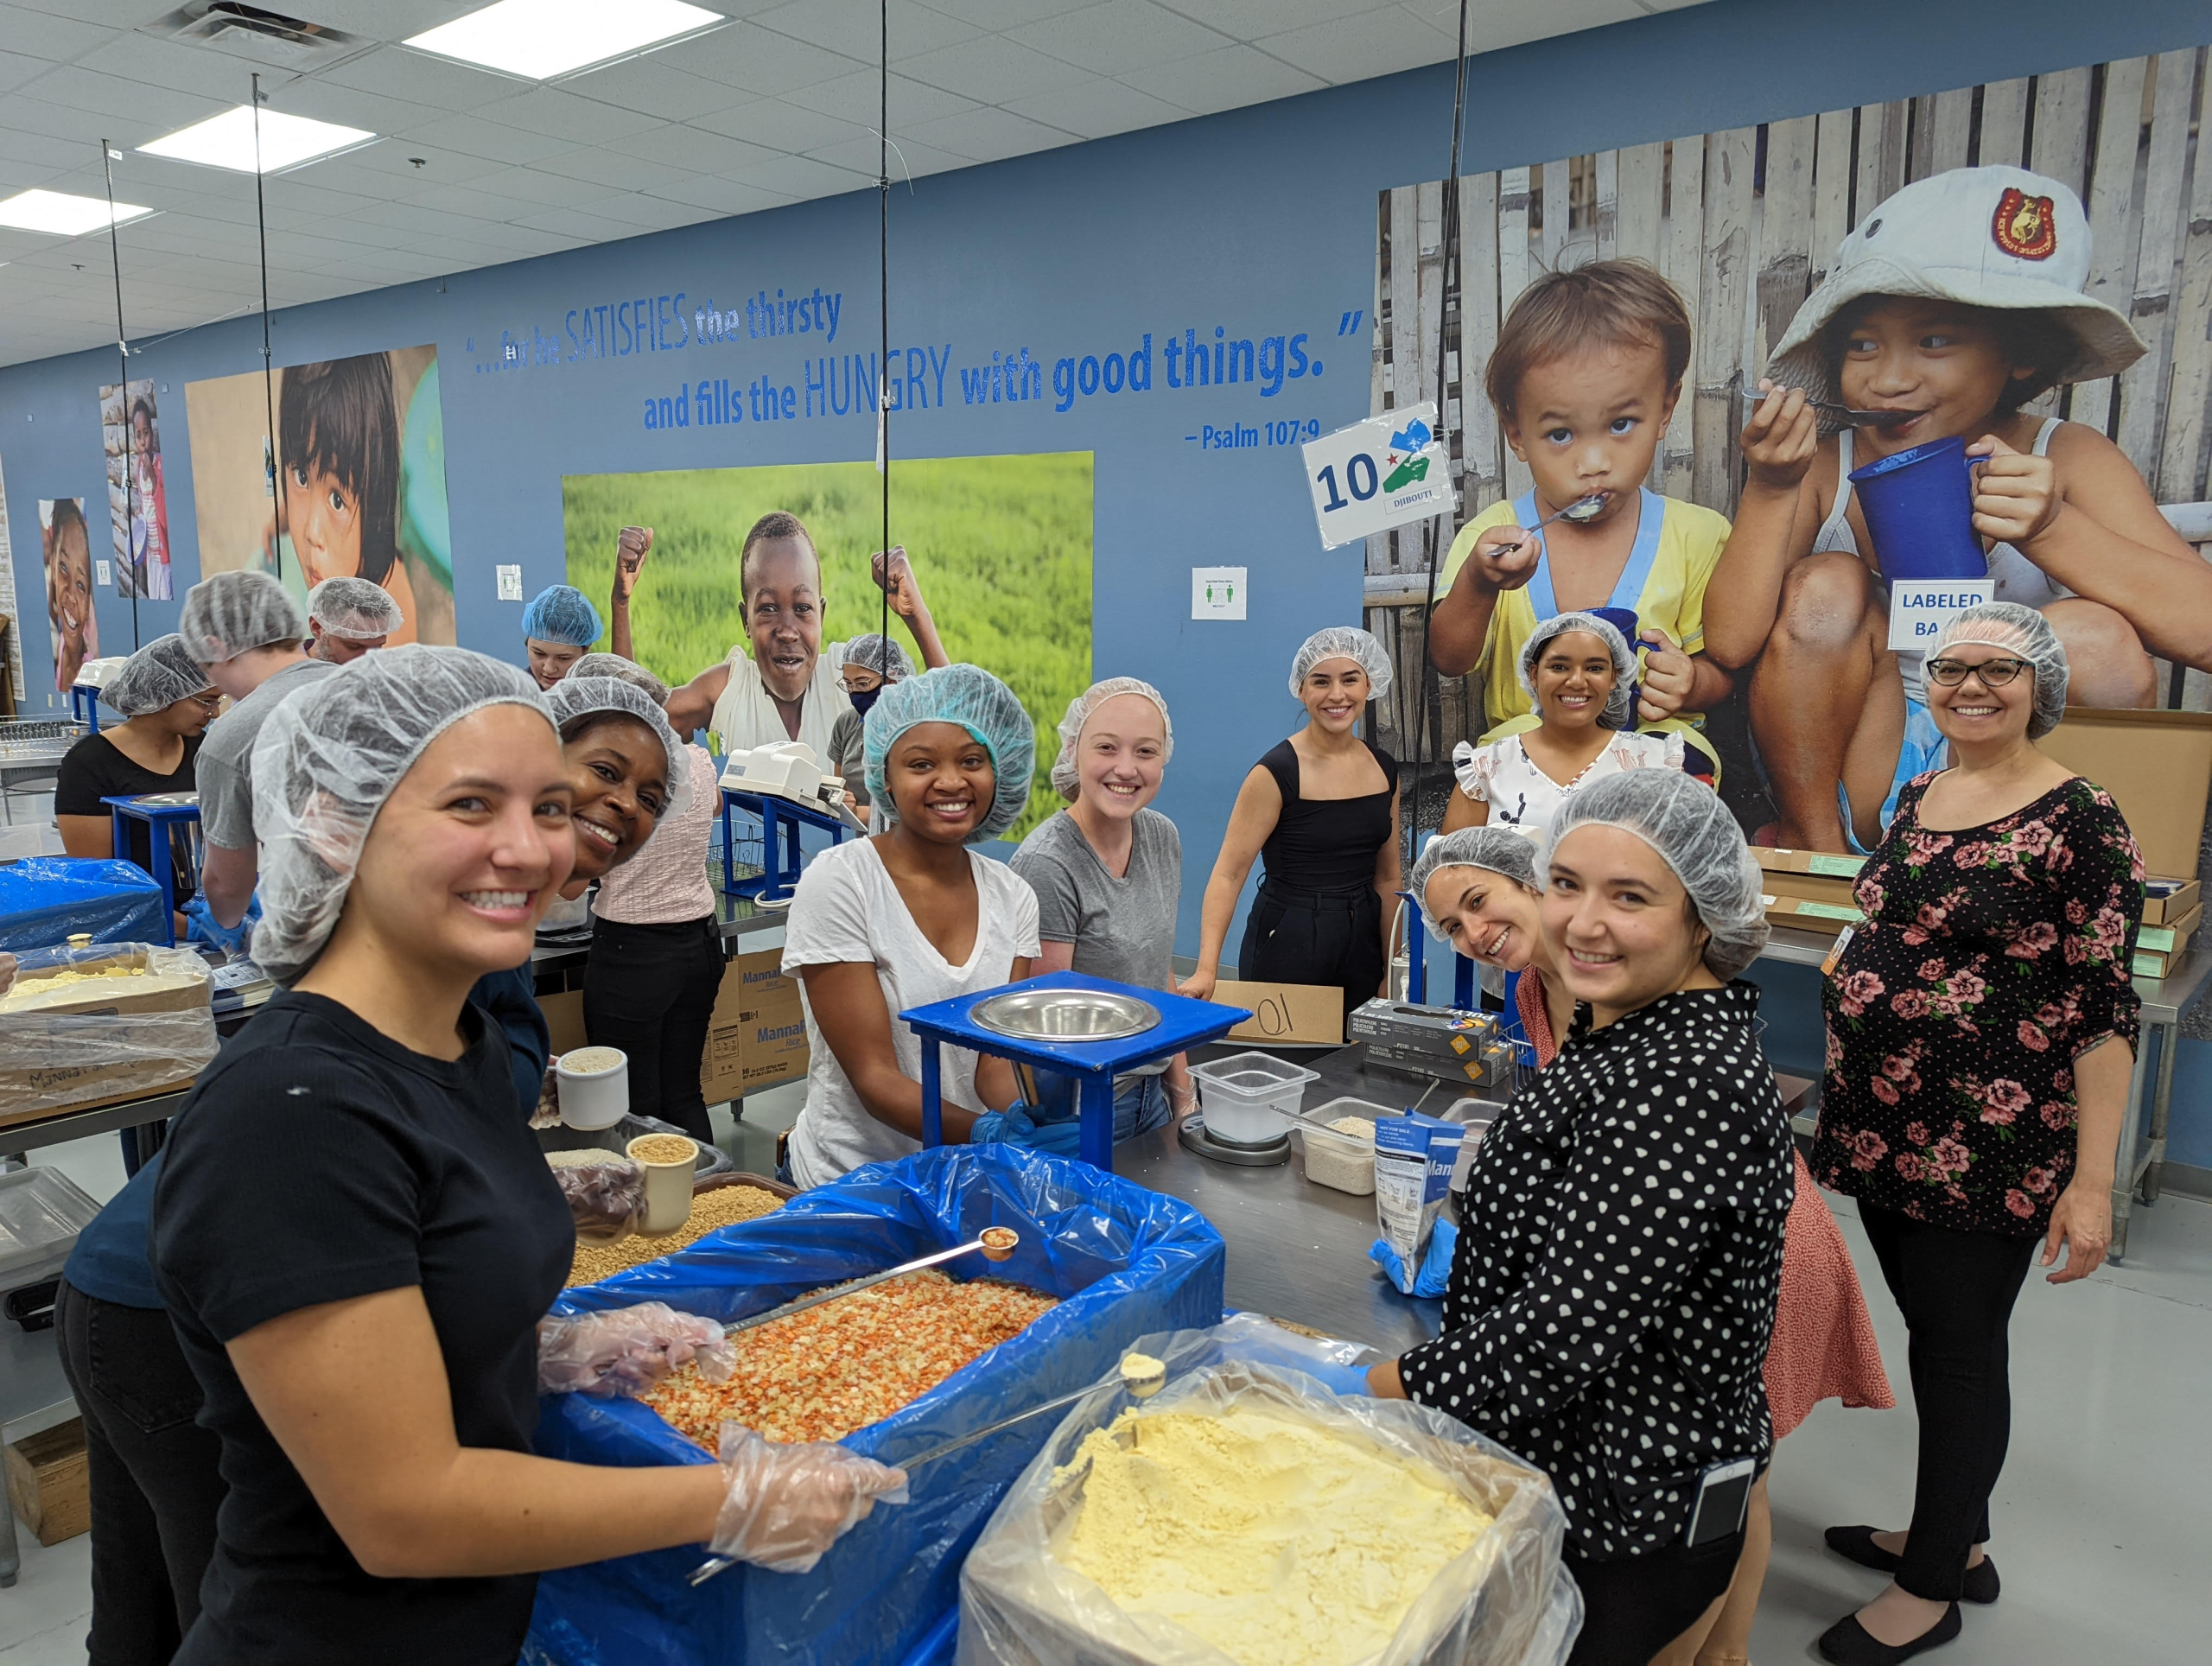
1955	303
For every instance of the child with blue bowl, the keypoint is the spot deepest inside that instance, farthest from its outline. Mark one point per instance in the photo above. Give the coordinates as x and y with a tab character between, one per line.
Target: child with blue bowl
1957	300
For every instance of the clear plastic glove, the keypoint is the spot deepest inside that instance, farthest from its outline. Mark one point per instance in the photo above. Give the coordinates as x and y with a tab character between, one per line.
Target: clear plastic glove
787	1505
548	1114
1435	1266
625	1350
606	1199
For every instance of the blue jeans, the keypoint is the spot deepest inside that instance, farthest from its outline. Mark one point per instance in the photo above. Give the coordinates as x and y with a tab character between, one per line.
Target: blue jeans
1140	1105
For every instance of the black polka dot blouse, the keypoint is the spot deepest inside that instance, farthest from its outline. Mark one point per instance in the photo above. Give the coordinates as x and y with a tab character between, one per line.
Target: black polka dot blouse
1619	1256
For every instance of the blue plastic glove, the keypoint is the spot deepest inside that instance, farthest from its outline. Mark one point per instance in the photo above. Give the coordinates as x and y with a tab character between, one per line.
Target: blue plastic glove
1058	1098
202	926
1435	1266
1340	1379
1016	1126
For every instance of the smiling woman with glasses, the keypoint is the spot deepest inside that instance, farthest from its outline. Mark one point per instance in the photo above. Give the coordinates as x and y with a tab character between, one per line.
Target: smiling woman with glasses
1981	1032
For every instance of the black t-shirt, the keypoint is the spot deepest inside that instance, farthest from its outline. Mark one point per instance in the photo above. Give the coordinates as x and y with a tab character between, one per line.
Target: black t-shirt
320	1161
96	768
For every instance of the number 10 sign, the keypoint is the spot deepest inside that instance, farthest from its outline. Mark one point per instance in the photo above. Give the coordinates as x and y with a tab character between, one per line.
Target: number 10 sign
1378	474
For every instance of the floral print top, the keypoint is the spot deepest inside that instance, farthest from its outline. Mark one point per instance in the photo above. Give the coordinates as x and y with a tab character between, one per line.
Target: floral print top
1990	959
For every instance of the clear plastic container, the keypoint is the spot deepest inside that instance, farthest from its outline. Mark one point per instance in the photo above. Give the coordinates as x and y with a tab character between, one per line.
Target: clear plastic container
42	1212
1250	1098
1341	1161
1475	1115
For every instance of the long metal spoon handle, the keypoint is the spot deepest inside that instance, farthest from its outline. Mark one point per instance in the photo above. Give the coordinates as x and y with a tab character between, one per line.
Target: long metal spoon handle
1557	515
855	1287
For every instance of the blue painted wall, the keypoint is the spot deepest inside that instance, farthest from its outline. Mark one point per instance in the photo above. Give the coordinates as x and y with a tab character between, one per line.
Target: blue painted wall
1260	221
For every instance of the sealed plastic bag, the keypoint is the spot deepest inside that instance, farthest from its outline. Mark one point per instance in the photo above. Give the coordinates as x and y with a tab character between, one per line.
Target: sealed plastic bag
606	1194
84	1025
46	900
1125	1262
1504	1601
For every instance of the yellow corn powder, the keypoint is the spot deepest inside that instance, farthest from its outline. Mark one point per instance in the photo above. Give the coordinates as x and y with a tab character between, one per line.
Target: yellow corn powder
1278	1542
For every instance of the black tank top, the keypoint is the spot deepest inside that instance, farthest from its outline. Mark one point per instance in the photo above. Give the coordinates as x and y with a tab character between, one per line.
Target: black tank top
1325	844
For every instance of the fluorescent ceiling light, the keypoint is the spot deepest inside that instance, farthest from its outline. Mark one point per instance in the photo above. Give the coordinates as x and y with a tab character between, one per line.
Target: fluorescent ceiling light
227	141
540	39
62	214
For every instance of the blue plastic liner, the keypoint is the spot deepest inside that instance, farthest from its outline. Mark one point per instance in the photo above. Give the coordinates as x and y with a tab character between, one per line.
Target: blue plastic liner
45	900
1125	1262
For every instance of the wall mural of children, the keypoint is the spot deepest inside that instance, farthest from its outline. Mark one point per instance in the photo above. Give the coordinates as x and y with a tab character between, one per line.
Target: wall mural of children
137	493
1960	299
67	548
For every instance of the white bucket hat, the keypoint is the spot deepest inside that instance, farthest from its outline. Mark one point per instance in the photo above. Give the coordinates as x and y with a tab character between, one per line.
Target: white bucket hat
1982	236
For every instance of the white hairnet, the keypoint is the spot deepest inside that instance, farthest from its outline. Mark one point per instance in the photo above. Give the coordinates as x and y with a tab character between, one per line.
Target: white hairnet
563	614
1617	714
1079	711
354	609
155	678
1500	848
235	612
574	699
327	758
2027	634
1684	820
979	703
624	671
1343	642
878	654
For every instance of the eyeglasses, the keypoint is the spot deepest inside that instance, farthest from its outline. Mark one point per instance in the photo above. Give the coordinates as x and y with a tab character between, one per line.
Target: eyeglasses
212	699
1993	673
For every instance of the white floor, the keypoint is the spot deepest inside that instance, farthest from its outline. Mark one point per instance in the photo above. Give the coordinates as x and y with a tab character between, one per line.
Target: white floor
2101	1519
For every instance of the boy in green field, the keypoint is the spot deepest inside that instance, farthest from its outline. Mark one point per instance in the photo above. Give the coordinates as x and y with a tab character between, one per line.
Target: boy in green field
786	689
1585	376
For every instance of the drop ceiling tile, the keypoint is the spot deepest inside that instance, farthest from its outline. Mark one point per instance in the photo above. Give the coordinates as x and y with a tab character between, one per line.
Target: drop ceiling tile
804	177
919	160
75	125
395	20
413	220
860	99
856	27
555	184
777	125
991	69
1248	20
115	14
147	58
17	67
375	111
340	174
492	140
687	150
49	34
440	166
125	104
1509	23
722	194
592	228
653	85
650	214
395	71
998	15
611	168
754	60
558	114
37	149
1357	48
1117	35
1098	108
1228	79
991	135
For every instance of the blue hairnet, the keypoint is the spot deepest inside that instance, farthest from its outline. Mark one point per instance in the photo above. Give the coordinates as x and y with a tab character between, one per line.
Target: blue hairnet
155	679
575	698
562	612
979	703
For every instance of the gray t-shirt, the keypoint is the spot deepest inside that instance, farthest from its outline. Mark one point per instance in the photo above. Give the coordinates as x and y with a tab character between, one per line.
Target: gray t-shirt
225	764
1122	928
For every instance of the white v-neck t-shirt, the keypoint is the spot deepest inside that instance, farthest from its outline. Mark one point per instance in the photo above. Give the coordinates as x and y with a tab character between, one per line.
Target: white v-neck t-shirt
847	909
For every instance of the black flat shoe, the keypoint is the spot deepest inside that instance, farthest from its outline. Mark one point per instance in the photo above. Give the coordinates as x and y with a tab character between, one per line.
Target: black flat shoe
1857	1545
1849	1644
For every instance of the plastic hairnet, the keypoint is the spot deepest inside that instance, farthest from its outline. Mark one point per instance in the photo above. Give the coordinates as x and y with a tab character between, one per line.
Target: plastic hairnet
1079	711
874	653
979	703
1685	822
1343	642
1501	849
355	609
562	612
327	758
1616	715
575	698
623	670
235	612
2026	634
155	678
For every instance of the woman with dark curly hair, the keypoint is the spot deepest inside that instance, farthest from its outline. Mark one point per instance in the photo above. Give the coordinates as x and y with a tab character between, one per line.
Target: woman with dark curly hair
1981	1035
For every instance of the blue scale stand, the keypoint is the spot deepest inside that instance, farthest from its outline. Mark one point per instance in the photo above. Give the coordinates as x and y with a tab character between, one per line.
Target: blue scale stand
159	819
781	818
1183	1023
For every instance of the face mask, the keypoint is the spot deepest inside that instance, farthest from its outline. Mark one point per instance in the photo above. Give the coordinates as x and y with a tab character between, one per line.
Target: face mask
863	700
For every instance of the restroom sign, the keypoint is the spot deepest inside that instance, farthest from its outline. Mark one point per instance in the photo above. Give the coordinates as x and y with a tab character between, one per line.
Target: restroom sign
1377	474
1919	608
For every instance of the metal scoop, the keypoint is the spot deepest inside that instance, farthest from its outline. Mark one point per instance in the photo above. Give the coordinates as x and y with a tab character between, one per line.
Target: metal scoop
1581	510
1142	1376
1843	414
997	1242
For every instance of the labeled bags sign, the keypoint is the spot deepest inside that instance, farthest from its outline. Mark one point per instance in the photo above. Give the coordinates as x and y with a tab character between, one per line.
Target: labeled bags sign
1377	474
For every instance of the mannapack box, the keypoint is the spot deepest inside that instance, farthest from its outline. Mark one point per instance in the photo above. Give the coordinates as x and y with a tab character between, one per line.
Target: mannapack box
756	1036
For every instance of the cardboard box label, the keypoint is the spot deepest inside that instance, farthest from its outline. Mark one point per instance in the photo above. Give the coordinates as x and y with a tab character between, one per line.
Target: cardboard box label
756	1036
1285	1014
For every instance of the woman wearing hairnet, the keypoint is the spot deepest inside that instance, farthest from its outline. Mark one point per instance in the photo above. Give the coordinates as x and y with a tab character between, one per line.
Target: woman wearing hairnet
910	915
1108	871
558	628
357	1236
1580	674
1612	1294
1321	812
1981	1035
166	703
1479	887
870	663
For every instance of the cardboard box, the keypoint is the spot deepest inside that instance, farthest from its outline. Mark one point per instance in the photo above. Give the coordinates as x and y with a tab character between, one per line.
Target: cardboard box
756	1036
2158	910
1809	887
110	1043
2158	947
1817	864
1807	914
1285	1014
2158	767
48	1483
564	1019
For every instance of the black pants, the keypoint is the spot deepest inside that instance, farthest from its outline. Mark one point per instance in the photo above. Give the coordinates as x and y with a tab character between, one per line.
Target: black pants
1315	936
650	990
1634	1607
152	1469
1955	1290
